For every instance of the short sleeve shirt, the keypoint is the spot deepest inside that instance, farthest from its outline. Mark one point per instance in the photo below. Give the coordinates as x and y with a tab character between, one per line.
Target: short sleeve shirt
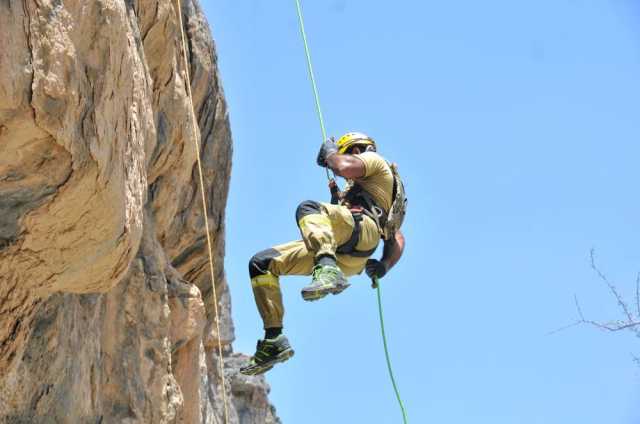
377	180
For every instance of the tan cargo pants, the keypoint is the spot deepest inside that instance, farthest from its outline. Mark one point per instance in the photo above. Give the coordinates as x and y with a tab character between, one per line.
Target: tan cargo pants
324	227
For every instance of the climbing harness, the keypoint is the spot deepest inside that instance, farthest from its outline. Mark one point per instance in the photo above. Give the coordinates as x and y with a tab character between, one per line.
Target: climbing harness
349	248
388	222
194	124
356	196
376	283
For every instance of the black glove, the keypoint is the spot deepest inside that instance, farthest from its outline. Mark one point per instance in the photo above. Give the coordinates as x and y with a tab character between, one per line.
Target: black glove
376	268
335	192
327	149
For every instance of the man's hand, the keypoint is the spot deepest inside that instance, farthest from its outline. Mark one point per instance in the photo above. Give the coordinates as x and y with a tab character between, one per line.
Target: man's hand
376	268
327	149
335	192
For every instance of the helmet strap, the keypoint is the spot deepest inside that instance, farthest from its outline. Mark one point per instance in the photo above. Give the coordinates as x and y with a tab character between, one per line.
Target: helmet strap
363	148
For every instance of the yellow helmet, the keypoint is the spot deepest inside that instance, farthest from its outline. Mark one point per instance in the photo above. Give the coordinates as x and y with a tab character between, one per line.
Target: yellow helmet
352	139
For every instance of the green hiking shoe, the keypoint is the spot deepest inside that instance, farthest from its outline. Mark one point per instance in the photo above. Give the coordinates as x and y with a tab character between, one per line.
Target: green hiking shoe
326	279
269	352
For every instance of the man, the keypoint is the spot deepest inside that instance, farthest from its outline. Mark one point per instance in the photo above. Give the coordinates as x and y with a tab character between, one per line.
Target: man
337	240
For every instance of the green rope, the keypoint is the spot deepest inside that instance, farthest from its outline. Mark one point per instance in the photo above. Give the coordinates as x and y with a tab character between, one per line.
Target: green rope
311	76
324	137
310	67
376	284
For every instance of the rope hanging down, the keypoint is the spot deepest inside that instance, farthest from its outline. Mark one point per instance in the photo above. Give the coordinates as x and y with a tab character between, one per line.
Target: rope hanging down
194	124
324	137
376	283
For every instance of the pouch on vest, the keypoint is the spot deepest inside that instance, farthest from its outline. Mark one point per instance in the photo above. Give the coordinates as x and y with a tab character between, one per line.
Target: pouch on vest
398	209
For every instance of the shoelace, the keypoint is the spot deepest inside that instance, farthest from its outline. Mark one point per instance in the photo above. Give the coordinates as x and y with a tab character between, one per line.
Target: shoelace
316	271
320	269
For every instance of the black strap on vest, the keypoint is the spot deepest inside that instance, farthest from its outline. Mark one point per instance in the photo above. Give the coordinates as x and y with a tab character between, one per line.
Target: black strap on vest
359	197
349	248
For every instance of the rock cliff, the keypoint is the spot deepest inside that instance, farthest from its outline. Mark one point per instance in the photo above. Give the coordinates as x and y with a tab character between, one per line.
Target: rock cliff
105	298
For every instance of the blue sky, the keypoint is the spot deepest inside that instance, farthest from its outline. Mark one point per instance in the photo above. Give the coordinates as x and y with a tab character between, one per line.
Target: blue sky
515	126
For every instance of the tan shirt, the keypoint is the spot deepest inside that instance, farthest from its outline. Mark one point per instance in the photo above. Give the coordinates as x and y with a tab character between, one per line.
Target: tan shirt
377	180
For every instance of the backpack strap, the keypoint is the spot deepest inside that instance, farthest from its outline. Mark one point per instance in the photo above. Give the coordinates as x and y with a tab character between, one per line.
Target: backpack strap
394	172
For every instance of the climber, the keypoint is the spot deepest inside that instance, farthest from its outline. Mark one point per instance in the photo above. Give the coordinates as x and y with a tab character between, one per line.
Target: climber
338	239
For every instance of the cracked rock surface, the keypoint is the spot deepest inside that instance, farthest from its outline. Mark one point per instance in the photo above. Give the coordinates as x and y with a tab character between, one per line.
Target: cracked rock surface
106	305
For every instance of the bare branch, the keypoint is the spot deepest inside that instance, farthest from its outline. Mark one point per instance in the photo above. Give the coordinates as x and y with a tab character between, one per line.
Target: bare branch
566	327
575	299
614	326
608	326
631	322
638	295
612	288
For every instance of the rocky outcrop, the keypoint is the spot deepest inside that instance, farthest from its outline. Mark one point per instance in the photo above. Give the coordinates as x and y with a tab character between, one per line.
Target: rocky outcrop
105	296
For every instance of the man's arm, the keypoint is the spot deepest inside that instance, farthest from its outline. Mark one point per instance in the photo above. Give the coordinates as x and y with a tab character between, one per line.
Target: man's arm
344	165
391	254
393	249
347	166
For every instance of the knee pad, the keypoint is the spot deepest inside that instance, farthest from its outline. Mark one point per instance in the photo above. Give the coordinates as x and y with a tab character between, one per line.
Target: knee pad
308	207
259	263
268	281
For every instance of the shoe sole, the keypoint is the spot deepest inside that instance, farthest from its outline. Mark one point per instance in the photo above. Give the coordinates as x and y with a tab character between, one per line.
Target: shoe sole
261	369
312	296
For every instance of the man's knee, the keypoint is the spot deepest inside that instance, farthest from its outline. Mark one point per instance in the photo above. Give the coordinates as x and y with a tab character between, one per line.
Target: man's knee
308	207
259	263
